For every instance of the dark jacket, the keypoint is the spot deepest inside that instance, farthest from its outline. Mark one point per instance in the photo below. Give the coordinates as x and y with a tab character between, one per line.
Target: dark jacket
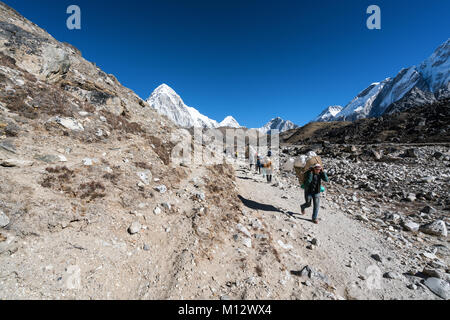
309	177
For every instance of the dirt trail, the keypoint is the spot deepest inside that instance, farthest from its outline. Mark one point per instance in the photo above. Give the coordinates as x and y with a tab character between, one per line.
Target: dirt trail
343	254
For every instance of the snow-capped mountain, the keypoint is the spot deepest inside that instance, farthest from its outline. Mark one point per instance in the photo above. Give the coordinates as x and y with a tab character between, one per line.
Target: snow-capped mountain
361	105
436	70
229	122
328	113
411	87
278	124
167	102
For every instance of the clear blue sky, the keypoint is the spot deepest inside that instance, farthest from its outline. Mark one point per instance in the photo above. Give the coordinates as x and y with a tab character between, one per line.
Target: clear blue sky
251	59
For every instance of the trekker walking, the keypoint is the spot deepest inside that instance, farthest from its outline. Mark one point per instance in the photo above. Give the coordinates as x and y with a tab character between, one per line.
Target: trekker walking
313	186
258	164
252	158
267	164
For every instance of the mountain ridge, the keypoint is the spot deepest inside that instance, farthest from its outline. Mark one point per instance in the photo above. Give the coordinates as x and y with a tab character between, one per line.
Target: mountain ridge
430	77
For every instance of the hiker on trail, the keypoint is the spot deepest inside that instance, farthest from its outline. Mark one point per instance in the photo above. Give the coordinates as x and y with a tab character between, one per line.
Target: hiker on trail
267	166
258	164
251	158
313	186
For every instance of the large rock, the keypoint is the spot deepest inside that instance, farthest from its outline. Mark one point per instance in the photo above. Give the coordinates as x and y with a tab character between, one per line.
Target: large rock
438	287
161	188
145	177
411	226
69	123
437	228
4	220
243	229
8	146
428	209
134	228
56	63
10	163
48	158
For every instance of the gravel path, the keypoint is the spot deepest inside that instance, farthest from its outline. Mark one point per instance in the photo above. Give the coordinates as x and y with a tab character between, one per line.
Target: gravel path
344	247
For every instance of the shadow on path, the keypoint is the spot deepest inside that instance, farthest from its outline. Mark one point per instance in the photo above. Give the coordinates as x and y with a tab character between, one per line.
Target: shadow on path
299	216
268	207
261	206
244	178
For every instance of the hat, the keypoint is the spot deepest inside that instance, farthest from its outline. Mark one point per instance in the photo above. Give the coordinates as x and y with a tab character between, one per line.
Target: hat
317	165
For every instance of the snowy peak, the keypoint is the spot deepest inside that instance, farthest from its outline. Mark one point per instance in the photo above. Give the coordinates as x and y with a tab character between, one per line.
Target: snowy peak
436	69
361	105
428	81
167	102
229	122
277	124
329	113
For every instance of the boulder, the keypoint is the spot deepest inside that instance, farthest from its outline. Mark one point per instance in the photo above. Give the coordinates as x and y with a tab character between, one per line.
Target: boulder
243	229
428	209
135	227
439	287
145	177
437	228
411	226
376	257
4	220
161	188
69	123
391	275
10	163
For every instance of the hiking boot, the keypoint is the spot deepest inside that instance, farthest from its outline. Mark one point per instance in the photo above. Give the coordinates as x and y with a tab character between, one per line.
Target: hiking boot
316	221
303	211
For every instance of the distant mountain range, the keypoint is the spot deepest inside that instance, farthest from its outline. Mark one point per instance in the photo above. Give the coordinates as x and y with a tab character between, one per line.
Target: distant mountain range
277	124
414	86
167	102
329	113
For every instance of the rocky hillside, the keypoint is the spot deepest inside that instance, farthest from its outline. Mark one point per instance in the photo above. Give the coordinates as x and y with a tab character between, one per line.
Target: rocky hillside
91	205
425	124
94	205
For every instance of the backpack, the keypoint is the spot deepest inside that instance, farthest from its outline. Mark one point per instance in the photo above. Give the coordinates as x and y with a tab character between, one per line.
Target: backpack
300	173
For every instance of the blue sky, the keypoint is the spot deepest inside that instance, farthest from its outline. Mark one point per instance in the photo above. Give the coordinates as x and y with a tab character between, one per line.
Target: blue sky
254	60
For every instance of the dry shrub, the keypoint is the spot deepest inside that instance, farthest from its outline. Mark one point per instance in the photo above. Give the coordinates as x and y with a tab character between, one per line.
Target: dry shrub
174	176
163	150
7	61
46	99
259	271
113	177
89	190
122	124
59	178
143	165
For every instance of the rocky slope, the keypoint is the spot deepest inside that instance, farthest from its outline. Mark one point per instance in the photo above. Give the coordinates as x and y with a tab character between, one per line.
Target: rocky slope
425	124
91	205
362	248
401	193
